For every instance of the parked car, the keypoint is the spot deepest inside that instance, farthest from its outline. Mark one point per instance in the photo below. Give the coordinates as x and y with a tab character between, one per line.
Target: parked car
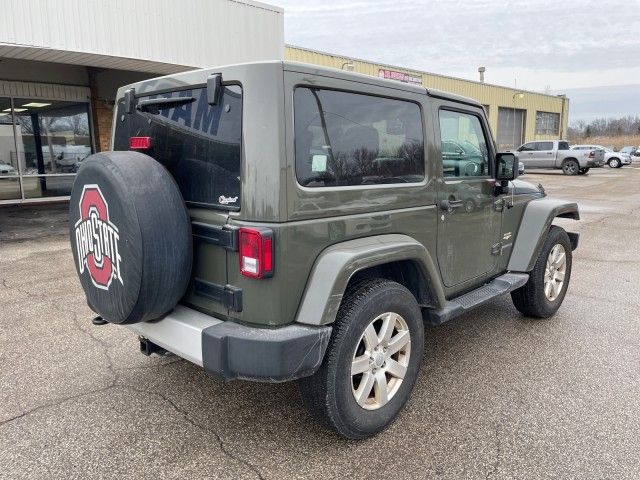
461	158
557	154
611	158
6	169
631	151
207	232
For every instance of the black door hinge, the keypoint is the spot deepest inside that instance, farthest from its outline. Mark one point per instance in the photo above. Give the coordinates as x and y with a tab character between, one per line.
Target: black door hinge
227	295
225	236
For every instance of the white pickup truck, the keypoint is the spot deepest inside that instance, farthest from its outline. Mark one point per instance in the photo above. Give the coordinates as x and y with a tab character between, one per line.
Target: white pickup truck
558	154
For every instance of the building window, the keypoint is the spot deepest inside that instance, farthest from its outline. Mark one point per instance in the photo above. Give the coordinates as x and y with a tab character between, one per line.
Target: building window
52	136
547	123
42	144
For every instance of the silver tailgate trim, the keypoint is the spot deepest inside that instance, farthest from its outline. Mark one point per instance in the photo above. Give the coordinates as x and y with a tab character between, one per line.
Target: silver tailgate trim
180	332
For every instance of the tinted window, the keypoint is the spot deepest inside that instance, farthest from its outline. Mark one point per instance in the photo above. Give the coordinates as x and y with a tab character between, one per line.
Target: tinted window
542	146
463	145
562	146
527	147
198	143
346	139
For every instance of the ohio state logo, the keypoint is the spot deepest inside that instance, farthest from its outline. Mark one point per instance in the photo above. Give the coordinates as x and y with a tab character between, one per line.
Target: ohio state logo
97	239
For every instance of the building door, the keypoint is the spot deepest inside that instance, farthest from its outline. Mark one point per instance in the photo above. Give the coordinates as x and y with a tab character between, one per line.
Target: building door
511	124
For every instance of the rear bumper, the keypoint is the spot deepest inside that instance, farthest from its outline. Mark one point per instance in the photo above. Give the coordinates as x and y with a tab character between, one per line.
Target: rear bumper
236	351
595	163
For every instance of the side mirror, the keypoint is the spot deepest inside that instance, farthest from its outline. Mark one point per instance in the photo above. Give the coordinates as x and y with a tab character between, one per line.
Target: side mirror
506	167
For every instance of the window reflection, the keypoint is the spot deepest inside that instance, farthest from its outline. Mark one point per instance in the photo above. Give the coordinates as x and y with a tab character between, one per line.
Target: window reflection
51	136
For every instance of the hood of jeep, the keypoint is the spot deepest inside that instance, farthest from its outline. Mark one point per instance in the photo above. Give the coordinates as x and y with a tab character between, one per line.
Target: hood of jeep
520	187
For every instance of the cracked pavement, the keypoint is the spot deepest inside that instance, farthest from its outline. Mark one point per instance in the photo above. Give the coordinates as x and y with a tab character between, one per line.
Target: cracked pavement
498	396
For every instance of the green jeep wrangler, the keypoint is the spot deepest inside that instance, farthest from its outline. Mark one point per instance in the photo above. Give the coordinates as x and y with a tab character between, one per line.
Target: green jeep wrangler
278	221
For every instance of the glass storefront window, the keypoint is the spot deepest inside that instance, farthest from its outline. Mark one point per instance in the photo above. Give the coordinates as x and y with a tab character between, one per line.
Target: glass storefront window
51	136
47	186
8	158
10	188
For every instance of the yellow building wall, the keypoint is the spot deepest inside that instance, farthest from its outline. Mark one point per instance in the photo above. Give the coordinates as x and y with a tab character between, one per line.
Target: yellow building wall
493	96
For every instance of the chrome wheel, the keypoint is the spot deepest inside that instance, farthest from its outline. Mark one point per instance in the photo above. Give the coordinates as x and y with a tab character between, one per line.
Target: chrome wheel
555	272
380	361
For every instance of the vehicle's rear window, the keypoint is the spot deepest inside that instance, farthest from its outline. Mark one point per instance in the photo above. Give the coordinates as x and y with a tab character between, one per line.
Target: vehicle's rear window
198	143
562	146
347	139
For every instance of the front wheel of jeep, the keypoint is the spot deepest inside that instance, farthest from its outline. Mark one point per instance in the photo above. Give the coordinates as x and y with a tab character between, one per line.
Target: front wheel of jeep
371	363
544	292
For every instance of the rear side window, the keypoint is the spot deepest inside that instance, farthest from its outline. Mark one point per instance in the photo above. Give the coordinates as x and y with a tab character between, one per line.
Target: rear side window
348	139
561	146
543	146
198	143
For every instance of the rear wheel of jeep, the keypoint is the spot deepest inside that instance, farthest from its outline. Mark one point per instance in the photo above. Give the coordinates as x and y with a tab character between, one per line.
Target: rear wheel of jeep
371	363
570	167
544	292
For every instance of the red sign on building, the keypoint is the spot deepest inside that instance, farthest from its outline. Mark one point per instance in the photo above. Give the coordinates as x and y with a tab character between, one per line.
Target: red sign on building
400	76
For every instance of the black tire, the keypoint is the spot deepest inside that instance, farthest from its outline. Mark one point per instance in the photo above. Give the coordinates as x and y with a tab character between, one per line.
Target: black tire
130	237
614	163
570	167
328	393
584	171
530	299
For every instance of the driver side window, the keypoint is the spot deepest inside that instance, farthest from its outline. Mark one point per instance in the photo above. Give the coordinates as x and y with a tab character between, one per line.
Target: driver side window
463	145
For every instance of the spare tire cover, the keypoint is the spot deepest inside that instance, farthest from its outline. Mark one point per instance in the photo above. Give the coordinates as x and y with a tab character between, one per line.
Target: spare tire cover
130	236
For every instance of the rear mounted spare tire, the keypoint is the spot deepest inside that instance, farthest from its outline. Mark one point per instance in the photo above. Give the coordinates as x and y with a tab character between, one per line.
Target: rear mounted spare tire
130	236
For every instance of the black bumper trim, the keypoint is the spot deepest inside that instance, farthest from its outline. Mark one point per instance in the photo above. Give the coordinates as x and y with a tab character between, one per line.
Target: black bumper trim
236	351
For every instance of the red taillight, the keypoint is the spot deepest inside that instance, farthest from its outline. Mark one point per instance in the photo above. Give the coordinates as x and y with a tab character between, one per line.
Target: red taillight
256	252
139	143
592	154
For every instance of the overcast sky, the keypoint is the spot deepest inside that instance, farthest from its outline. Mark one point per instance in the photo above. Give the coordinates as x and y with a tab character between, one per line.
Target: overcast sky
540	43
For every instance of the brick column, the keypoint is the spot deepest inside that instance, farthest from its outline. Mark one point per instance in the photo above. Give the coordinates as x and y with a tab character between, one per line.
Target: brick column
102	118
102	114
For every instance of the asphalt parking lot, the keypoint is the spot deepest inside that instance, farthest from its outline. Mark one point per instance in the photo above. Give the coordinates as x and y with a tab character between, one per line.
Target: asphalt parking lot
498	396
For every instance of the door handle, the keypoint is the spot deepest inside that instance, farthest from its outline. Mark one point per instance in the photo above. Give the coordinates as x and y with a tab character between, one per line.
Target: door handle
450	205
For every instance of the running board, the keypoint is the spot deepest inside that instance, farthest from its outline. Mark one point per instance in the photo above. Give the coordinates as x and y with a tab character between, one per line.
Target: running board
459	305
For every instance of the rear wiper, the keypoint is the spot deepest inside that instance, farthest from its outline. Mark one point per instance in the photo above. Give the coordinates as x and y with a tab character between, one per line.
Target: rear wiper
157	103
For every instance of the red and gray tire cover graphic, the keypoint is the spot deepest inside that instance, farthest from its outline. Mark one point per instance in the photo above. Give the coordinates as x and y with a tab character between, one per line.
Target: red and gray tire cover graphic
97	239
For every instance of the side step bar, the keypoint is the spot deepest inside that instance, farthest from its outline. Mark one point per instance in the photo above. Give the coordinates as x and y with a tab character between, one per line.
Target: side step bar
459	305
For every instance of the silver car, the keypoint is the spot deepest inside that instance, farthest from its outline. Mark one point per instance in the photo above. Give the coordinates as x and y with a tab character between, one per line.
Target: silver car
611	158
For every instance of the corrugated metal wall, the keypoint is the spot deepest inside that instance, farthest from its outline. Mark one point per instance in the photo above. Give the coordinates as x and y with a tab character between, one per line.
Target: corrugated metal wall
194	33
492	95
49	91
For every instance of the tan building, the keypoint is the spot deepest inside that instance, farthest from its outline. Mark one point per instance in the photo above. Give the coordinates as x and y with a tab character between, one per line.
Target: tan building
515	116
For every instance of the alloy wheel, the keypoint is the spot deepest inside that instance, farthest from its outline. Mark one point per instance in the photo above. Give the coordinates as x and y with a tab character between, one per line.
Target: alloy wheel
380	361
554	272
